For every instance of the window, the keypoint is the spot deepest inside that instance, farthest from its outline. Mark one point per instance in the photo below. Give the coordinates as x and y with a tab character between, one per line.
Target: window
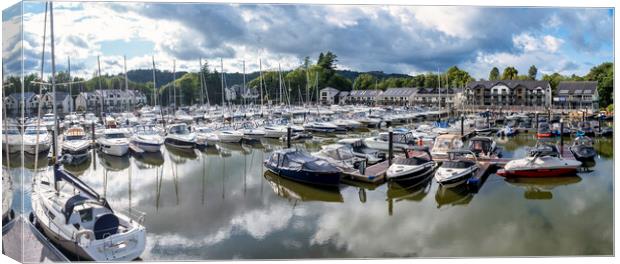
86	215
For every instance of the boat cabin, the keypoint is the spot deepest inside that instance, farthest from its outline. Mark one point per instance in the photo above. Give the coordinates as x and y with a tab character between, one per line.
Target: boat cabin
398	136
178	129
445	143
482	145
87	214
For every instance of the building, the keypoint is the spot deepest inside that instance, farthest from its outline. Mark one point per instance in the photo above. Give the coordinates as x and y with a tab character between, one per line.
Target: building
13	102
64	102
397	96
364	96
506	93
87	102
444	97
120	100
329	96
343	97
577	95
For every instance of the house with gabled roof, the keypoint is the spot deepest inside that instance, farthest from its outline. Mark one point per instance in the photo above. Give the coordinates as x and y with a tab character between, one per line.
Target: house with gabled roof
329	95
508	93
577	95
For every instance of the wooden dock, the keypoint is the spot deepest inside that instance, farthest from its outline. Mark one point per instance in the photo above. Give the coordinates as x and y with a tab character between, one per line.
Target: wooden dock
373	174
21	241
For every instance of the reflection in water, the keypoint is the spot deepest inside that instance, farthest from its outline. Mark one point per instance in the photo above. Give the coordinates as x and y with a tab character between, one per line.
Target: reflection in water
149	160
540	188
457	195
181	155
414	192
113	163
296	191
78	169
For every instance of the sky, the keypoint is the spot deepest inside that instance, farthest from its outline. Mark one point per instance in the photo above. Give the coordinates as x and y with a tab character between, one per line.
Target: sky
392	39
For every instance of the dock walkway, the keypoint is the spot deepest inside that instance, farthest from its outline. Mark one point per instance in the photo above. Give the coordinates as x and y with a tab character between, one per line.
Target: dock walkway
19	235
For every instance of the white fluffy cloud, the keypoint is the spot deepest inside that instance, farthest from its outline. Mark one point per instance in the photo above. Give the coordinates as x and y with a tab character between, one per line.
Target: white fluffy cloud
528	42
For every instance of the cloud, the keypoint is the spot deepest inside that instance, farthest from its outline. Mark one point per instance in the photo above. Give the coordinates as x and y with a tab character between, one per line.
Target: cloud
403	39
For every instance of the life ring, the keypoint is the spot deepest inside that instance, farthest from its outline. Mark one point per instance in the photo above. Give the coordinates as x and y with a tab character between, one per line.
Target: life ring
88	233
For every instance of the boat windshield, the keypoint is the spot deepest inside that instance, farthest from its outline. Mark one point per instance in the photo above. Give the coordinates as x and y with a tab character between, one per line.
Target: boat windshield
179	130
457	164
115	135
34	132
74	137
11	132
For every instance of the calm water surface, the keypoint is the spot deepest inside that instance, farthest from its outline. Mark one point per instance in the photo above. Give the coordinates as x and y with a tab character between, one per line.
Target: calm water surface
220	204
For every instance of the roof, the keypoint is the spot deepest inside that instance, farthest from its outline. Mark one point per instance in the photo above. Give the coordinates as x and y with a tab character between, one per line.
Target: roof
529	84
577	88
18	96
399	92
343	94
332	91
365	93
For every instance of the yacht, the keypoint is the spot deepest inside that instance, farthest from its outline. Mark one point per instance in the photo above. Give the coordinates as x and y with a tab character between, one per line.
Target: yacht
147	138
401	140
206	136
11	140
180	136
36	139
229	135
75	146
114	141
80	221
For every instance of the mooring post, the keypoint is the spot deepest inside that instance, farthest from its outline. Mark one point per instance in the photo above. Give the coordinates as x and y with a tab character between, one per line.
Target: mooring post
462	126
536	121
600	123
92	132
390	145
288	136
562	135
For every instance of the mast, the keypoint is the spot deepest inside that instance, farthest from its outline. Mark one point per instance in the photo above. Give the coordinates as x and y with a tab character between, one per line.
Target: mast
260	79
222	79
244	89
279	85
307	85
202	96
174	83
55	136
127	81
70	81
100	90
154	84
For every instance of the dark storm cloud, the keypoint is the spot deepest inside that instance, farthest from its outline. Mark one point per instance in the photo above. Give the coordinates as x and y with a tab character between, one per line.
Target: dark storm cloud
303	30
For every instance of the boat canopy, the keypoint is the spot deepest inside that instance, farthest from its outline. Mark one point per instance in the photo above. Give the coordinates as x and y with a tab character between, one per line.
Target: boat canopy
481	145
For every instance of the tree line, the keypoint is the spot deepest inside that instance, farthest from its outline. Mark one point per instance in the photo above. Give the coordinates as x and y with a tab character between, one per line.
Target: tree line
299	84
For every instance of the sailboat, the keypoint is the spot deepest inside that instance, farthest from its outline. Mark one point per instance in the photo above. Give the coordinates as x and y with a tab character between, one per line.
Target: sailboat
78	219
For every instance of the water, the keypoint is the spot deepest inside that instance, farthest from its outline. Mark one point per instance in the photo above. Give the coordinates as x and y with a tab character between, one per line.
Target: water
219	204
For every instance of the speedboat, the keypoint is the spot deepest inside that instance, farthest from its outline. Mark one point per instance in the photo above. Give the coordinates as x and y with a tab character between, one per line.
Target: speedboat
229	135
206	136
400	140
275	131
323	127
11	140
80	221
147	138
90	119
457	169
251	132
302	167
411	168
482	127
445	143
340	156
75	146
543	161
36	139
484	147
544	130
182	116
49	121
113	141
372	156
179	136
583	150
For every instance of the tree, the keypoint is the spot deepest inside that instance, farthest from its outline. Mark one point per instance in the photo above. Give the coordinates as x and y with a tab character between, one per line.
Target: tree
510	73
494	74
604	75
532	72
364	81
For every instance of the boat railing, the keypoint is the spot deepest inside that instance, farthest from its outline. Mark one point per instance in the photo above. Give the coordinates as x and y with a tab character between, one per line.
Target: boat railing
133	214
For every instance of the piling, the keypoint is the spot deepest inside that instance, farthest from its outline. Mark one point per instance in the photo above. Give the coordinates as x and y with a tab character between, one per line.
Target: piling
462	126
288	137
390	145
600	123
92	133
561	134
536	121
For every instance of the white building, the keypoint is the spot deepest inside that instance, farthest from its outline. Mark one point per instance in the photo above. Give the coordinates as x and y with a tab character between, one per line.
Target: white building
503	93
64	102
329	95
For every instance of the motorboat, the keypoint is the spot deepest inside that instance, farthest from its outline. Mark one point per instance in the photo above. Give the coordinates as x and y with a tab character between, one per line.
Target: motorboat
340	156
206	136
401	140
90	119
323	127
584	128
582	149
507	131
182	116
543	161
445	143
113	141
275	131
411	168
147	138
11	140
49	121
300	166
544	130
460	166
372	156
482	126
180	136
229	135
36	139
75	146
80	221
484	147
251	132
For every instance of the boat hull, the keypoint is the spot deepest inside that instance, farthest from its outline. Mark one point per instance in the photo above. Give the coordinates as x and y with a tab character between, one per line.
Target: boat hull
180	143
115	150
538	173
148	147
308	177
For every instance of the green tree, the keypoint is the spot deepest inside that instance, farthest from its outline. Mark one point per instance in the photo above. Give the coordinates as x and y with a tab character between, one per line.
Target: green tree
604	75
364	81
532	72
510	73
494	74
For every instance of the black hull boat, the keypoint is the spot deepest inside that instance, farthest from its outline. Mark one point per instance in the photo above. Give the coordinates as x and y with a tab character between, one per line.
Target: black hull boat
583	150
302	167
412	168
